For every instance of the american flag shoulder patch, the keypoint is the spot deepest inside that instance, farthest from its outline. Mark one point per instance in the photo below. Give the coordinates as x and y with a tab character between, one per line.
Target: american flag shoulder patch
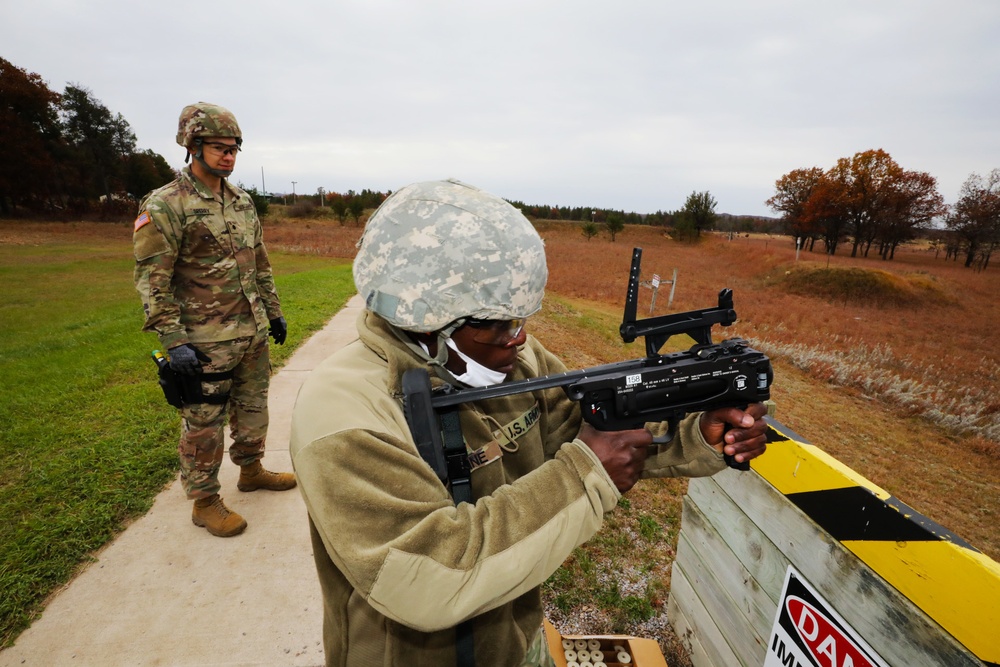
142	220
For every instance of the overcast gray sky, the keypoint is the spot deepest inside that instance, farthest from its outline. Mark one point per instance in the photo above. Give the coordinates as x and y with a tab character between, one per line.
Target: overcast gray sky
630	104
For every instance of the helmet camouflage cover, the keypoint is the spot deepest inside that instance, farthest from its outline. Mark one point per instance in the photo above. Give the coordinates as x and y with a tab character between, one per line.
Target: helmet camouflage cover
439	251
202	120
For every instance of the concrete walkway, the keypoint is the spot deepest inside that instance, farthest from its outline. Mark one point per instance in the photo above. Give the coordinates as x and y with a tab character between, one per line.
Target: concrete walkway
167	593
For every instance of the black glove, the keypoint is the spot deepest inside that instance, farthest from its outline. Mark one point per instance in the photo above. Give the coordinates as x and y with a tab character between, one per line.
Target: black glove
279	330
186	359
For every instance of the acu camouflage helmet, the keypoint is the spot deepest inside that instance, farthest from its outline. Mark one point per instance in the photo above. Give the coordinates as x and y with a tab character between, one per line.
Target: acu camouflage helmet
203	120
440	251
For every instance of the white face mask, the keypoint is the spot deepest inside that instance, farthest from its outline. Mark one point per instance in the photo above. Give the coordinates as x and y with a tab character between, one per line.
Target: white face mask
475	375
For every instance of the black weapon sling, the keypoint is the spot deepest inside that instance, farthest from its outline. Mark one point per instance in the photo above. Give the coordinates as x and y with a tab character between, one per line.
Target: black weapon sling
460	477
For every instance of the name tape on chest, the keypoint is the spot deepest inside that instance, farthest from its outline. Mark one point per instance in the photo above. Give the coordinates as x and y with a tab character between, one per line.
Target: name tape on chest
493	450
484	455
519	426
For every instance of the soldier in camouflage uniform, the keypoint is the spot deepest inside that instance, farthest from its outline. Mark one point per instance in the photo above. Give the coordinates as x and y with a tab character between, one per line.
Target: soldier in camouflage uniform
449	274
207	290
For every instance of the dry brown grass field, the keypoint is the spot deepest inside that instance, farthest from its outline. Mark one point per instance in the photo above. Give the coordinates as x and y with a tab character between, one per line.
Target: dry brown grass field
889	366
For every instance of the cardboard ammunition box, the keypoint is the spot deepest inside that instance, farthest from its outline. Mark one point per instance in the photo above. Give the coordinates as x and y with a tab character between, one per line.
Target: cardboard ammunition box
641	652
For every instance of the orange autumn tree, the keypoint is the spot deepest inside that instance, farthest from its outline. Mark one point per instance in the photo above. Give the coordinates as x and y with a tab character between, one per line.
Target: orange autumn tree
867	198
793	191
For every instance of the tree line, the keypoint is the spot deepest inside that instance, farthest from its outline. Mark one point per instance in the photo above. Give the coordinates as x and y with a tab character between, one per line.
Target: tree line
870	201
67	152
695	216
347	205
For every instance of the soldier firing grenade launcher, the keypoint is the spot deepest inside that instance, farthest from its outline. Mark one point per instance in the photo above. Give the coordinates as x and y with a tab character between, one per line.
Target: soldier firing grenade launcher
617	396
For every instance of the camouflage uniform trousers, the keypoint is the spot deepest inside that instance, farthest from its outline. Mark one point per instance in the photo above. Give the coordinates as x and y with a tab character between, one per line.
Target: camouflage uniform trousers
538	653
202	442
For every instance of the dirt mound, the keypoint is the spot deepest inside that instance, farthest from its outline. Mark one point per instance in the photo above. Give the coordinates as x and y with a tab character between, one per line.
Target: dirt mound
861	286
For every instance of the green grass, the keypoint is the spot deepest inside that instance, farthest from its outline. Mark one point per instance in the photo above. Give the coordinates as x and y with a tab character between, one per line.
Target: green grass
86	438
593	577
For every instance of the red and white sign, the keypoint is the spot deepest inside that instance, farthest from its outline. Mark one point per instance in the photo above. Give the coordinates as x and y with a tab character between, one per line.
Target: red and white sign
808	632
656	280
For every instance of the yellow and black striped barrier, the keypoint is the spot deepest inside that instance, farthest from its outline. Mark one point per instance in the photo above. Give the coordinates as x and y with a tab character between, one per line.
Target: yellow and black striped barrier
945	576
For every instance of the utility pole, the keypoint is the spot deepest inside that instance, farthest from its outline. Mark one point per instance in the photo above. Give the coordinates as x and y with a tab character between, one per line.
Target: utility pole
293	191
321	197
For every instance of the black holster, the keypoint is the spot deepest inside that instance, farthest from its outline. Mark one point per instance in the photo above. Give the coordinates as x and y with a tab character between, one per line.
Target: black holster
181	390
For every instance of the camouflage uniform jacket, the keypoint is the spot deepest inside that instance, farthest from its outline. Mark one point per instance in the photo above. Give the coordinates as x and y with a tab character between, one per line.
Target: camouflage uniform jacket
201	266
399	564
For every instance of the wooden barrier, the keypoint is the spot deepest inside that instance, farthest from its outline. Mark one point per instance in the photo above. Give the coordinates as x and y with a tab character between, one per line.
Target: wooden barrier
860	578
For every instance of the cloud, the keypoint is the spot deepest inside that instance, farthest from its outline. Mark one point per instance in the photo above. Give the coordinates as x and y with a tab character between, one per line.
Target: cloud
629	105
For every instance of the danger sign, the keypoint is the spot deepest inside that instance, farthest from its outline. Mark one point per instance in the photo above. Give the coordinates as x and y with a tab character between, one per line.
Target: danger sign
807	632
656	280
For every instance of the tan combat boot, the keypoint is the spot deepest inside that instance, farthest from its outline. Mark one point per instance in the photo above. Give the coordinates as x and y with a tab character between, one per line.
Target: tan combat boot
211	514
253	477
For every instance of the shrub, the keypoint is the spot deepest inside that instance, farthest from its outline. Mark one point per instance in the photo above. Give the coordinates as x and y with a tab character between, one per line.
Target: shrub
259	200
301	209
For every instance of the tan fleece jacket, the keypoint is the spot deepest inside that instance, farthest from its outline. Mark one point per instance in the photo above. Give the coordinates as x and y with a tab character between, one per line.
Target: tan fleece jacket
399	564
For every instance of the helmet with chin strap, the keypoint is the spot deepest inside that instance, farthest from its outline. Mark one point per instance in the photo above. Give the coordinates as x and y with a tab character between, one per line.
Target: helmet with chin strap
438	252
203	120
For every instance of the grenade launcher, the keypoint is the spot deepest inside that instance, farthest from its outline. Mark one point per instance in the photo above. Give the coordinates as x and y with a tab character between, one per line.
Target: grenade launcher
613	397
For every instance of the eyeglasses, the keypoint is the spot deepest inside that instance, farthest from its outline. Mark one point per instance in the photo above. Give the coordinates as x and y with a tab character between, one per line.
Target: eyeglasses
223	149
496	332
